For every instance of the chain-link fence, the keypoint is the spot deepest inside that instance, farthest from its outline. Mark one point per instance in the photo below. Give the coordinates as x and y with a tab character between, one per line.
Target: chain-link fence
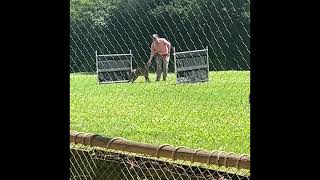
117	26
202	41
96	157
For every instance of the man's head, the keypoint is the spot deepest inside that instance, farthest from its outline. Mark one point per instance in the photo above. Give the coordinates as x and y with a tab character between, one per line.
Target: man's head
155	37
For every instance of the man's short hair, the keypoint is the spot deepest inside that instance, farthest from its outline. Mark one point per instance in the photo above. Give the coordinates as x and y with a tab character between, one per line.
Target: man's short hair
155	36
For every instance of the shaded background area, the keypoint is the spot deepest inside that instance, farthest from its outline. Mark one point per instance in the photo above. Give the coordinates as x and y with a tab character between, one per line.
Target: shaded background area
117	26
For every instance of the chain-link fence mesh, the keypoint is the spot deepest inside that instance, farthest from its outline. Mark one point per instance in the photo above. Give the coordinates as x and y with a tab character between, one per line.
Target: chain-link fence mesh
117	26
92	162
213	114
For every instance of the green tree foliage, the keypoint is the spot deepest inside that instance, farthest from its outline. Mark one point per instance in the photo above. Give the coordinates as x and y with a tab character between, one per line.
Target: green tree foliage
115	26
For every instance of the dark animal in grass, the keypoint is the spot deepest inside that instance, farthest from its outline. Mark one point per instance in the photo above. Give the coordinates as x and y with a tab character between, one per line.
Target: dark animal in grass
135	73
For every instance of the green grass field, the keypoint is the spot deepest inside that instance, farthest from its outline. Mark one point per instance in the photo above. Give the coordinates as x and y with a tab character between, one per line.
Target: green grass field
212	115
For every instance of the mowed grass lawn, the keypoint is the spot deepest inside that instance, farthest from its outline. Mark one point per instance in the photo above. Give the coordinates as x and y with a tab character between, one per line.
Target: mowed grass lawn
214	115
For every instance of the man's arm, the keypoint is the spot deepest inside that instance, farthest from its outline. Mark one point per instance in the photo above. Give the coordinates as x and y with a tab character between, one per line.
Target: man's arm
151	54
168	44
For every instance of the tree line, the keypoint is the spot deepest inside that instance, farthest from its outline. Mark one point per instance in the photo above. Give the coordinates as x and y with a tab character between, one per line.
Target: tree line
117	26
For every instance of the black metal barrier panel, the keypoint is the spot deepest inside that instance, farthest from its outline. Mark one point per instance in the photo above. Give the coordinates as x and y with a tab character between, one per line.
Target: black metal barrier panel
113	68
192	66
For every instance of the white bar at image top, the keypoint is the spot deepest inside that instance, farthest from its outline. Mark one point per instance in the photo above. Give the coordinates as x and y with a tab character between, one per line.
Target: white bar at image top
108	55
191	51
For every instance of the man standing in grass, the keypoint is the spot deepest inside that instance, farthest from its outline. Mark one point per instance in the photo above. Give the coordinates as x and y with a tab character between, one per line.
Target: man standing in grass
160	49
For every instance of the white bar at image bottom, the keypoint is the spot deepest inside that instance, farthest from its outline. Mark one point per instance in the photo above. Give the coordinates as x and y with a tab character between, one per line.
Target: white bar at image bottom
110	82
